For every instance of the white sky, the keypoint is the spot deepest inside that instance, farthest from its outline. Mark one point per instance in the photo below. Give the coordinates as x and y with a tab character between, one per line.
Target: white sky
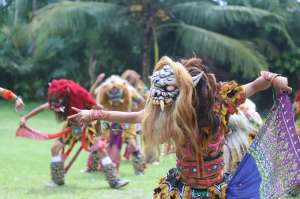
2	2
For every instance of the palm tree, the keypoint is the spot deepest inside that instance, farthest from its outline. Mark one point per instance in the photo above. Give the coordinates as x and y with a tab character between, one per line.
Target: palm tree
224	34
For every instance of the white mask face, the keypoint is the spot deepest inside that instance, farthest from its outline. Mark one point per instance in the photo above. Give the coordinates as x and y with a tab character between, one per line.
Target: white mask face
164	88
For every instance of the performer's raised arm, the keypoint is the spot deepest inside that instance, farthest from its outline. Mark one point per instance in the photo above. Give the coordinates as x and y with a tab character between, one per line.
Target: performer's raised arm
35	111
266	80
85	116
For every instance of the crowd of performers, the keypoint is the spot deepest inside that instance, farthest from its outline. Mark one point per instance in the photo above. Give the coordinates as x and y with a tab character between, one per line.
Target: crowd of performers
209	125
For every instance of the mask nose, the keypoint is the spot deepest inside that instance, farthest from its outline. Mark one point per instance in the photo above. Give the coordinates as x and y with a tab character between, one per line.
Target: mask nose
114	90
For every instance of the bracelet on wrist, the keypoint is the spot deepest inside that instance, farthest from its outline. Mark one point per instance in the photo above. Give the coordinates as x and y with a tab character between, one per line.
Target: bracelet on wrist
274	77
268	76
96	115
91	115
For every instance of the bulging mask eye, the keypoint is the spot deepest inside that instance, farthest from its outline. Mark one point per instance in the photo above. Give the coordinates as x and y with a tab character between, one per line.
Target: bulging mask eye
170	87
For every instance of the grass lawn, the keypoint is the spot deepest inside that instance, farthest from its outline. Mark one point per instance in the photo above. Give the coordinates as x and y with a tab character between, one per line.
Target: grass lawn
24	166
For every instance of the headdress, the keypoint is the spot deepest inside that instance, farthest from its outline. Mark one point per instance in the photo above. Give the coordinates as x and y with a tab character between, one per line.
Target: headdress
115	94
75	95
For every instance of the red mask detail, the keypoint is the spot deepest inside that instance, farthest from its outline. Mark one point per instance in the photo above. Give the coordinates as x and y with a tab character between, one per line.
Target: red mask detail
76	95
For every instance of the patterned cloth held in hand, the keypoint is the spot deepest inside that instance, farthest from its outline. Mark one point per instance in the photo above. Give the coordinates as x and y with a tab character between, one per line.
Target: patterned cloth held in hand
271	168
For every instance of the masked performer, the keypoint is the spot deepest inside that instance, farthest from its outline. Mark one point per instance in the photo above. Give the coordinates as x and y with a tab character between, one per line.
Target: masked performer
188	108
62	95
134	80
115	94
10	96
152	154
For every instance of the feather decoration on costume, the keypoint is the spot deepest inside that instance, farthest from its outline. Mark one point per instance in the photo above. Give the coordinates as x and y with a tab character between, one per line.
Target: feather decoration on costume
271	168
236	141
242	129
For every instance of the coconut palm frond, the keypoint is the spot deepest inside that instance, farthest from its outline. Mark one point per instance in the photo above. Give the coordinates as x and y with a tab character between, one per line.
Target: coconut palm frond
67	16
265	47
279	35
17	35
221	49
213	16
236	21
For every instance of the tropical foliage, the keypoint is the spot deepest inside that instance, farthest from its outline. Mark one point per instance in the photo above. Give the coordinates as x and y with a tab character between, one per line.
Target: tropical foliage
47	39
286	62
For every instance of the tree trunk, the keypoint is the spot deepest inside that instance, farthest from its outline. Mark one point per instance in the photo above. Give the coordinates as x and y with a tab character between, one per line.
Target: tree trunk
34	7
156	47
92	66
20	12
147	40
16	19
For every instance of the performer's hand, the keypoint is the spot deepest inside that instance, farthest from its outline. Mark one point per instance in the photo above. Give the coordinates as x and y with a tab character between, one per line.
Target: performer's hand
86	116
82	116
23	121
281	84
19	105
98	107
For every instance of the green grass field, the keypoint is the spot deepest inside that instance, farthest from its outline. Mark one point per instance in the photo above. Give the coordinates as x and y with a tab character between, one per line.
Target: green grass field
24	166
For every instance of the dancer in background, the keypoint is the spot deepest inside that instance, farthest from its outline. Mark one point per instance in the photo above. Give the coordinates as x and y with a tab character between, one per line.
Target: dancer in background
151	154
62	95
115	94
10	96
135	80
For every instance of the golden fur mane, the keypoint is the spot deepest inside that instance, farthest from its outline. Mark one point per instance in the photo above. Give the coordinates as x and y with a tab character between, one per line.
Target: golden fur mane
103	98
177	123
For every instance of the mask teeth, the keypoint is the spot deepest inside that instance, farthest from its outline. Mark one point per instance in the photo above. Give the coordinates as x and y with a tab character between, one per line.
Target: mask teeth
168	101
162	105
62	109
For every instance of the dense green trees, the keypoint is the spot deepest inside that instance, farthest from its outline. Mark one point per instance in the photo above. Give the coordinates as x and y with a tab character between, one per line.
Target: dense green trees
44	39
282	61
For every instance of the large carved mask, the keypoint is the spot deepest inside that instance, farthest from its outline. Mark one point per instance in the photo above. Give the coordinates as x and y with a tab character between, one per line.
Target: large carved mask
164	86
57	102
114	94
